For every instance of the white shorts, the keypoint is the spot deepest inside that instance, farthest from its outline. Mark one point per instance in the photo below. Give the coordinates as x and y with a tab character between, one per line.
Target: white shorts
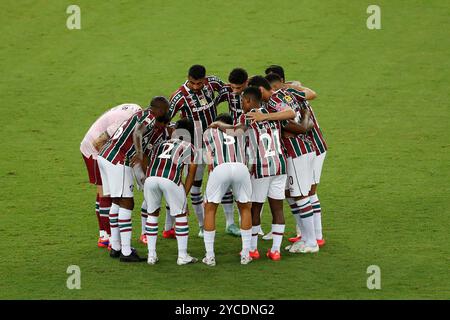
268	187
175	195
300	174
226	175
317	167
117	179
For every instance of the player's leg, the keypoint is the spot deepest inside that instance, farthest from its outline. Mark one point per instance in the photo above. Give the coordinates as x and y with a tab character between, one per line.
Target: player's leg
90	166
152	197
107	173
104	208
242	190
228	209
125	187
256	226
300	180
317	172
169	225
218	183
176	199
260	189
144	216
210	233
276	196
197	197
296	214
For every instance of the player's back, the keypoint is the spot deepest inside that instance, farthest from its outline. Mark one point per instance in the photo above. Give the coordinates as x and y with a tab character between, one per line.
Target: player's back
108	122
265	152
168	158
223	147
120	148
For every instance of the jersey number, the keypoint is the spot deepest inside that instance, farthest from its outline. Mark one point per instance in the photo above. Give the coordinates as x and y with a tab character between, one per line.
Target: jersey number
228	139
117	133
166	153
268	152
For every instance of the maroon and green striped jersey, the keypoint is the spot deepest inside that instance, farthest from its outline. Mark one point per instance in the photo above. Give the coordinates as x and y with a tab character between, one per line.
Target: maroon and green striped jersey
265	153
315	134
300	144
234	101
223	147
159	133
120	147
168	158
198	107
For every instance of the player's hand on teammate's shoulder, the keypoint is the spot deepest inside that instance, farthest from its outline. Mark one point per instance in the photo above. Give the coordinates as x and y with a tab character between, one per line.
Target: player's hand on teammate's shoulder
256	116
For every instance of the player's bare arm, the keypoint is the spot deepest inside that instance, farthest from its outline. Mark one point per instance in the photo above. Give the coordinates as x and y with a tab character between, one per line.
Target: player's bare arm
300	128
190	178
286	114
232	130
100	141
137	141
309	93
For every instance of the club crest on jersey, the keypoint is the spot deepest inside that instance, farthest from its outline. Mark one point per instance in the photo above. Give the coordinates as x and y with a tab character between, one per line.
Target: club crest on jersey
288	99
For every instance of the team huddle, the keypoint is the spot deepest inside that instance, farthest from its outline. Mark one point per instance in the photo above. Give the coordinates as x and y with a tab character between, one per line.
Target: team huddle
268	147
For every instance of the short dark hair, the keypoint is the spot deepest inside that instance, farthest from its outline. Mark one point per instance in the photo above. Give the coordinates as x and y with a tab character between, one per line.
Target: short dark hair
197	72
164	118
253	93
259	81
276	69
159	101
186	124
273	77
225	118
238	76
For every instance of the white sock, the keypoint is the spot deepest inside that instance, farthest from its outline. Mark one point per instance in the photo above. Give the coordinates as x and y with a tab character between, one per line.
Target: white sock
296	213
246	236
277	236
182	234
317	216
228	208
197	204
143	216
114	224
151	230
169	220
125	230
306	214
208	238
254	242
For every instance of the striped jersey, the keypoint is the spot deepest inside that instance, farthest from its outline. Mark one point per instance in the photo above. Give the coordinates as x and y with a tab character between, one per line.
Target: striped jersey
300	144
198	107
159	133
223	147
120	148
315	134
265	151
168	158
234	101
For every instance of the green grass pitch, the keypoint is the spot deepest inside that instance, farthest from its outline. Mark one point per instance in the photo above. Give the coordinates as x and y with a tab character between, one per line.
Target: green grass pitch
383	106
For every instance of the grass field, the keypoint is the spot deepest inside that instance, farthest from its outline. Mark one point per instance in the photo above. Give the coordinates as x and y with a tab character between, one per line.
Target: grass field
383	105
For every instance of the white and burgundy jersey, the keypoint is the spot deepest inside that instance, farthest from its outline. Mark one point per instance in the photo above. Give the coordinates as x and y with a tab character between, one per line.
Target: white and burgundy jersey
198	107
265	152
234	101
120	148
223	147
107	122
168	158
